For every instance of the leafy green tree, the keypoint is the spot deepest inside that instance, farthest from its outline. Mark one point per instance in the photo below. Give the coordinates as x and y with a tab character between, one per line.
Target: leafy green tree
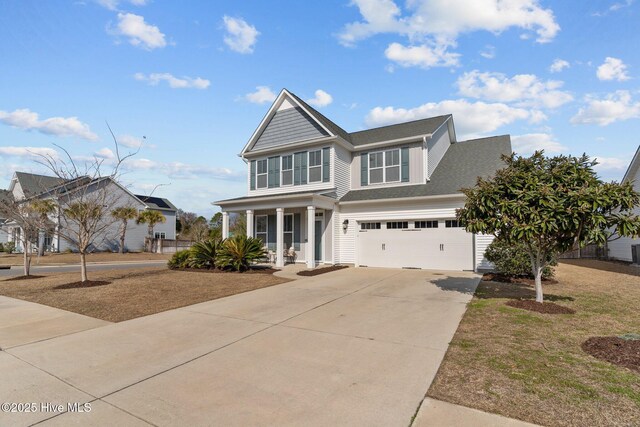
124	214
151	218
238	225
215	226
551	204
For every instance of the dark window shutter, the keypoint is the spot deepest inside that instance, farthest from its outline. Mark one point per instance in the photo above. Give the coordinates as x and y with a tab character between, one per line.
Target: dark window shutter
297	164
252	179
271	232
303	167
404	164
277	171
364	169
296	232
273	177
326	164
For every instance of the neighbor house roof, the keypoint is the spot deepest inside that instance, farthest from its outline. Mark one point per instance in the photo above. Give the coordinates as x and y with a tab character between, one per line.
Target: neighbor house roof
460	167
156	202
33	184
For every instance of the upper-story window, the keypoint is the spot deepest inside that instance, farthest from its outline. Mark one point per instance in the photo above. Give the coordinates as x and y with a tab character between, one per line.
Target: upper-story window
287	170
261	173
291	169
315	166
384	166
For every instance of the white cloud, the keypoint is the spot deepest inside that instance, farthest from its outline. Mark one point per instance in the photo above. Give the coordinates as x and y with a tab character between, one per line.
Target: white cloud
28	152
444	21
130	141
489	52
174	82
421	56
113	4
59	126
523	89
471	118
558	65
612	69
530	142
617	106
321	99
180	170
611	164
615	7
261	95
140	33
241	36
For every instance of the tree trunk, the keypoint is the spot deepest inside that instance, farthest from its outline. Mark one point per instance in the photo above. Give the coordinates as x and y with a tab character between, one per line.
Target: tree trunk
26	257
124	232
538	277
83	266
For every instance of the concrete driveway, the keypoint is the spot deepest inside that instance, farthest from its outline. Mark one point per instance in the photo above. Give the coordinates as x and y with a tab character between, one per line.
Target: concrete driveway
351	347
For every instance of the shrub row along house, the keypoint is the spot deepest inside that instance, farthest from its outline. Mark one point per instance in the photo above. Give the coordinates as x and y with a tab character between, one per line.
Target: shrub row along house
25	187
383	197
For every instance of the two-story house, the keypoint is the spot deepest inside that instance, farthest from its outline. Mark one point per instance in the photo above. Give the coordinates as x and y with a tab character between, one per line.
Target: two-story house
383	197
25	186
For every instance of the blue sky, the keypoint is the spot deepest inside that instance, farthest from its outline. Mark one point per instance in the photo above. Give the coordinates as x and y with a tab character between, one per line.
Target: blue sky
195	78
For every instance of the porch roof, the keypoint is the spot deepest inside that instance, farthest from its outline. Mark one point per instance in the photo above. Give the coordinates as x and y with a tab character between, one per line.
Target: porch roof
323	199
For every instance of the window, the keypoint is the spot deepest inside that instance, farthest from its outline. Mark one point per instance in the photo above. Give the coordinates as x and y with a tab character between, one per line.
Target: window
426	224
160	235
287	170
397	224
392	166
376	168
452	223
369	226
384	166
315	166
288	231
261	228
261	175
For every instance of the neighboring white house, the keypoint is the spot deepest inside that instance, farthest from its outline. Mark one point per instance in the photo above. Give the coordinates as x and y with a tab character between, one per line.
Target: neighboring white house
26	185
4	236
383	197
621	247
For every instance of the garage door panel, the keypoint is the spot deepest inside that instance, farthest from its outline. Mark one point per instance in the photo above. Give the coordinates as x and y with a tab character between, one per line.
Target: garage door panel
428	248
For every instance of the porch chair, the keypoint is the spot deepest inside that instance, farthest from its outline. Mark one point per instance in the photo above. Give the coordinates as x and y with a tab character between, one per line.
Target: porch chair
290	255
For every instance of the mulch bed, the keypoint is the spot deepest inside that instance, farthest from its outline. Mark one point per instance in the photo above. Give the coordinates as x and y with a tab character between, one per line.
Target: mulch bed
30	277
87	284
614	350
495	277
321	270
252	270
545	307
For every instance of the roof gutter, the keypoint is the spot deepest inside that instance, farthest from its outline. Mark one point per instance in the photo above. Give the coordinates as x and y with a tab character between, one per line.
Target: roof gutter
405	199
291	145
415	138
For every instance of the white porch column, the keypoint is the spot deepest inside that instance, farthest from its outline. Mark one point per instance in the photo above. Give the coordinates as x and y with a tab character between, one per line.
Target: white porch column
279	237
311	236
225	225
249	223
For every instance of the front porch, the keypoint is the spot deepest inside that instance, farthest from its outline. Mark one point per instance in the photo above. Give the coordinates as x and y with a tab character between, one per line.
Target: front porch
294	228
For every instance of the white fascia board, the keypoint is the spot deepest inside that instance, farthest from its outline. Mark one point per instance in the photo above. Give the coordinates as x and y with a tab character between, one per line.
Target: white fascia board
634	162
404	199
282	200
290	146
416	138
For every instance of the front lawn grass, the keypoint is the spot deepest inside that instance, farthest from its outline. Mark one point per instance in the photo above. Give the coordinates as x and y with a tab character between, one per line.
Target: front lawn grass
530	366
73	258
131	293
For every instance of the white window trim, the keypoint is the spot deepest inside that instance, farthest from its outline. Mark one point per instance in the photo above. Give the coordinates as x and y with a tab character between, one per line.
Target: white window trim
384	167
266	174
282	170
309	166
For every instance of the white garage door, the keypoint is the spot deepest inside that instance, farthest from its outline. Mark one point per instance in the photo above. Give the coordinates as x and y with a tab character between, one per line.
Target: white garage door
433	244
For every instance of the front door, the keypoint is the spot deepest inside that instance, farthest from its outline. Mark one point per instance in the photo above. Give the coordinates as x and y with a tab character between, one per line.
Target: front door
318	240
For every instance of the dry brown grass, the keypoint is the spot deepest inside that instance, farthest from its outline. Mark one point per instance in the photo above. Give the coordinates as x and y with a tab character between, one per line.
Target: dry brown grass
71	258
133	293
530	366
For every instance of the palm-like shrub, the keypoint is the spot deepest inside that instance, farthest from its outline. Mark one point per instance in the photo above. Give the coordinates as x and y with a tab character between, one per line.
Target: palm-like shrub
203	254
239	251
180	259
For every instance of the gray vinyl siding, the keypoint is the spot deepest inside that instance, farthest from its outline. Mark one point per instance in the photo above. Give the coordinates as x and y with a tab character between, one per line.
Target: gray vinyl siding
621	248
437	147
342	170
416	167
287	126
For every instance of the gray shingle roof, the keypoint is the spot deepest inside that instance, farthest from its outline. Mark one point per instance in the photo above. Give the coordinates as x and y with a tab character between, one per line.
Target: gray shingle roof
327	193
33	184
397	131
460	167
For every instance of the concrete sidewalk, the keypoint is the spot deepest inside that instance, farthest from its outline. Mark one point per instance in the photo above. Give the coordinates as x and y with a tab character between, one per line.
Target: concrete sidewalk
443	414
351	347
